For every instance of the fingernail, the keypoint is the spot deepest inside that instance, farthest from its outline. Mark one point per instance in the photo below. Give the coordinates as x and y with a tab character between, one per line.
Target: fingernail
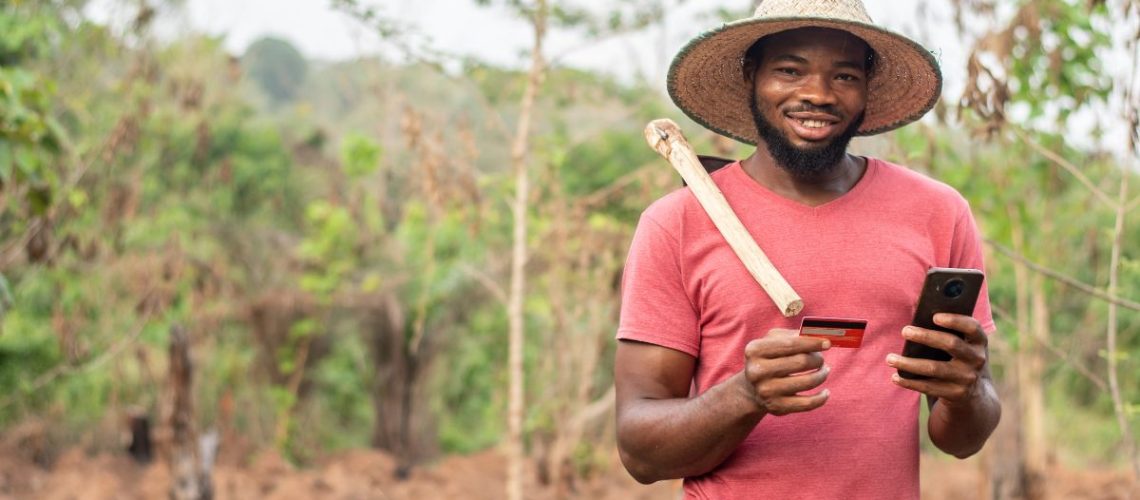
892	359
896	378
908	332
826	393
826	345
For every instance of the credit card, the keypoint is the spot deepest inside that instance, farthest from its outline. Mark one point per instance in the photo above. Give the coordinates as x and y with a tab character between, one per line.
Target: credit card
842	332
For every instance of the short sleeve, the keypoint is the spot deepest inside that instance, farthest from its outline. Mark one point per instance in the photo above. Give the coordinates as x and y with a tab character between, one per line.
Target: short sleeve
966	252
655	307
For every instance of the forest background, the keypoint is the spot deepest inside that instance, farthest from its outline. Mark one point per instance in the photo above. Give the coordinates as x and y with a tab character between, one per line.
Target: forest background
420	253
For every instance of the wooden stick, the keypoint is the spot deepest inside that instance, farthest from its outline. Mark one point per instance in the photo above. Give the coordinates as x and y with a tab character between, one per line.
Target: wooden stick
665	137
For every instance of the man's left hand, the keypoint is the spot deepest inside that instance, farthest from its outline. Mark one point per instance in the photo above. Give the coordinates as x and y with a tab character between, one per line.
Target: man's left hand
954	382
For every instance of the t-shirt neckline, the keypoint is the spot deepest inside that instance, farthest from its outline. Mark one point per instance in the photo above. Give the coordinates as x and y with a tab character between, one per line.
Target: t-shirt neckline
854	194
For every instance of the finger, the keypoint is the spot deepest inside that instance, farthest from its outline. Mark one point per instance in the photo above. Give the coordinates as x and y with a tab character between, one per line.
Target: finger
968	326
764	368
943	371
780	346
792	386
957	347
781	332
797	404
917	366
940	389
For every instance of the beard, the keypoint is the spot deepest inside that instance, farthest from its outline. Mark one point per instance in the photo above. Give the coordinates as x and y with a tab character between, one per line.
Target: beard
810	163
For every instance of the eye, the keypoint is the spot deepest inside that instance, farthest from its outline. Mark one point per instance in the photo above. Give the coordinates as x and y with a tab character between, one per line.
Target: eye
788	71
847	77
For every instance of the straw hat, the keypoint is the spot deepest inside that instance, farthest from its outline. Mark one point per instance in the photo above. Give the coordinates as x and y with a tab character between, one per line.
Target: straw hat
706	82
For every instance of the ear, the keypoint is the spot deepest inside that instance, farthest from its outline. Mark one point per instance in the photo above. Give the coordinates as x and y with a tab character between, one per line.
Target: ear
748	67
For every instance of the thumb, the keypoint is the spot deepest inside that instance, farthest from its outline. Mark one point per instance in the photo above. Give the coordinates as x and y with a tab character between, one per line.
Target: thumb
782	332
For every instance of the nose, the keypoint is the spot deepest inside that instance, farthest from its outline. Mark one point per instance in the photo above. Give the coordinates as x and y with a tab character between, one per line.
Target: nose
817	90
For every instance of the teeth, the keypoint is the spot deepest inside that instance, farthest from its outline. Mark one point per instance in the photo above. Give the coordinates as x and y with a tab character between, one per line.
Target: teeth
813	123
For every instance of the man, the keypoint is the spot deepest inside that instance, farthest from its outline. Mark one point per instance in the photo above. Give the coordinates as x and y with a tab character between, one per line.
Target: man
711	384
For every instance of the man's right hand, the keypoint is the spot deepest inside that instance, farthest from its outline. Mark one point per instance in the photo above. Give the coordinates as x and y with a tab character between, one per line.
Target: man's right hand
664	432
783	364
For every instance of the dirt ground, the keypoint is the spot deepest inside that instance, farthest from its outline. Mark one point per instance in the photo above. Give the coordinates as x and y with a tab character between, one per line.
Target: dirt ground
365	474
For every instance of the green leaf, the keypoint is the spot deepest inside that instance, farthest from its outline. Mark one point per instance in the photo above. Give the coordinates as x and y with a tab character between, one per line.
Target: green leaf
40	199
1119	355
303	328
77	198
359	155
1132	409
371	283
5	297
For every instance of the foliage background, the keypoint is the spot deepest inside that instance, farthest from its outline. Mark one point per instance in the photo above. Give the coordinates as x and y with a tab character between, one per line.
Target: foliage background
334	235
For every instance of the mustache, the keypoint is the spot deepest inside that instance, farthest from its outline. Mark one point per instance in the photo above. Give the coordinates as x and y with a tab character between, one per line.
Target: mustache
812	108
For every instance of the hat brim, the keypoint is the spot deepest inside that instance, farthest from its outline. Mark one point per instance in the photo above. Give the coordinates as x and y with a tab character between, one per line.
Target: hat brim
707	83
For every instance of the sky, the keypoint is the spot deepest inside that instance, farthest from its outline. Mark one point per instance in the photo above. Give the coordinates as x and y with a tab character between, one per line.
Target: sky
491	34
462	27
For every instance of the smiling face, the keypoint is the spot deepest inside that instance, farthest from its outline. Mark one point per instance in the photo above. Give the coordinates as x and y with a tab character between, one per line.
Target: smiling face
810	92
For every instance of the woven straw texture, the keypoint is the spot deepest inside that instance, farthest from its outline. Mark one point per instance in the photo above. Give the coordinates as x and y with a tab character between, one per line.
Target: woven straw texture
706	81
837	9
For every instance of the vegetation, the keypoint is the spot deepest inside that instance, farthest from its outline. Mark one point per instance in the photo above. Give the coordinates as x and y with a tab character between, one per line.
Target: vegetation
337	238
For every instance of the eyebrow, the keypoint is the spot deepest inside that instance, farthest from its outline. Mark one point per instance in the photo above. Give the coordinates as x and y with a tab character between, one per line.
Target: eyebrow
792	58
789	58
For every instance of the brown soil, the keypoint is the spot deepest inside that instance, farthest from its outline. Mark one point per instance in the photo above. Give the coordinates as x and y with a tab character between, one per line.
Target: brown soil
365	474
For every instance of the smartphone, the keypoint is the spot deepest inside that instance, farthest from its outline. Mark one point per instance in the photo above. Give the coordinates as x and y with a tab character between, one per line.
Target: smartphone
946	290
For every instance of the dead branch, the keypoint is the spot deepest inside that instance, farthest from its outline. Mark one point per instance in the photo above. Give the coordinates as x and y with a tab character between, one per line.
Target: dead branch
1056	351
1089	289
1065	164
1132	204
489	283
596	409
619	184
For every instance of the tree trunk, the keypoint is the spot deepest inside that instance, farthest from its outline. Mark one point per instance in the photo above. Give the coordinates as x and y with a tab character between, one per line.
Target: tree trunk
1033	396
517	295
1118	403
1131	114
141	448
189	479
394	398
1030	468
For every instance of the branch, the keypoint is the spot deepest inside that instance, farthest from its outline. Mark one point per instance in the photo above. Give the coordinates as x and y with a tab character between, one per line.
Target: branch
1063	163
619	184
390	32
1118	399
64	369
1080	368
598	30
596	409
1132	204
1107	297
488	283
408	40
1062	355
10	253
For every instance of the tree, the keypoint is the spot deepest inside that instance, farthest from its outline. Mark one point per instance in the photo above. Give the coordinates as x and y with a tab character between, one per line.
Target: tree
277	67
540	15
1028	77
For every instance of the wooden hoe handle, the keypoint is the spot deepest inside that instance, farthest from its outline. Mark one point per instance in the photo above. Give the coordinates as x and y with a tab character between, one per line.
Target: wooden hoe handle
665	136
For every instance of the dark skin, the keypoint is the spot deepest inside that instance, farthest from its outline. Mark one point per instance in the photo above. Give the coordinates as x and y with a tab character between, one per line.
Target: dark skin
782	370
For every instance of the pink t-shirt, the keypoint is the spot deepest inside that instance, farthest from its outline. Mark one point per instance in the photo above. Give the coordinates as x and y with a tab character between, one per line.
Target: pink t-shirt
863	255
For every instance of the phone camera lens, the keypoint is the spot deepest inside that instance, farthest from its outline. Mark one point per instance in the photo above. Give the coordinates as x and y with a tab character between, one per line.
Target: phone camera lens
954	288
